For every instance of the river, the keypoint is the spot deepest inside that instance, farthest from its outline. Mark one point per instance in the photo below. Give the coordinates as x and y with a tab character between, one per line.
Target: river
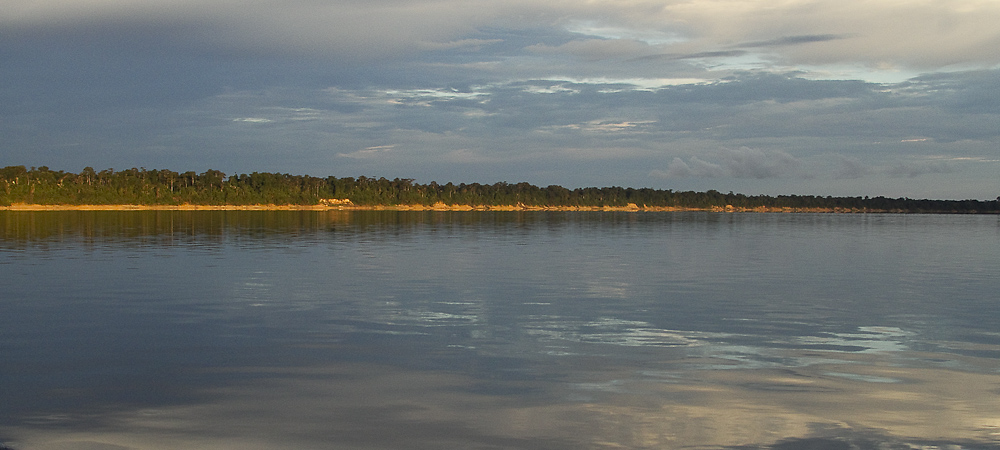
498	330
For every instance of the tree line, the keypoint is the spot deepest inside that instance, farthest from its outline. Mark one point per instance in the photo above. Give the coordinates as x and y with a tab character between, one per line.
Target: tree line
40	185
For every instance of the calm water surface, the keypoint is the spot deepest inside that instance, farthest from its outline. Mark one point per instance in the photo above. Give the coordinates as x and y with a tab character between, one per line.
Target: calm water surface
506	330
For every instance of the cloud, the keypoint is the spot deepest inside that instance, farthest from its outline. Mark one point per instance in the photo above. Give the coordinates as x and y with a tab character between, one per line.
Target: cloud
755	163
699	55
465	44
926	35
743	162
368	152
850	168
695	167
791	40
594	49
916	169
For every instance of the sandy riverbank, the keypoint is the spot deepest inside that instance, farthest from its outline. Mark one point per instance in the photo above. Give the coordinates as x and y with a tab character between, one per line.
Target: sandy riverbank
435	207
35	207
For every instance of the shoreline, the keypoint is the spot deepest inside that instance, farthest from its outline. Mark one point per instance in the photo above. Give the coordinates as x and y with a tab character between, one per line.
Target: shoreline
347	206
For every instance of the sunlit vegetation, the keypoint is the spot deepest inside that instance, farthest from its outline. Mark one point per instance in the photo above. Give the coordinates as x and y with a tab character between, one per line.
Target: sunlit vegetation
43	186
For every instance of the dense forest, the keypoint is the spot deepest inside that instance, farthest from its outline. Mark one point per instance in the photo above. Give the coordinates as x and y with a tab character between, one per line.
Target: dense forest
164	187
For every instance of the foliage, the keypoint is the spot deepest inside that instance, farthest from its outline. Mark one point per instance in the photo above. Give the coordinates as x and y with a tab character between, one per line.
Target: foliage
212	187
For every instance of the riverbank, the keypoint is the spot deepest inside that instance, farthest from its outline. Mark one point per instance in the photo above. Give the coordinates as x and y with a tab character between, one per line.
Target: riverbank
324	207
348	206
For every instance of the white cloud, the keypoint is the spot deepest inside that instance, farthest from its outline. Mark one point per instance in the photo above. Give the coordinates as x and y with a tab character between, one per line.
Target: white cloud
644	35
368	152
425	96
604	126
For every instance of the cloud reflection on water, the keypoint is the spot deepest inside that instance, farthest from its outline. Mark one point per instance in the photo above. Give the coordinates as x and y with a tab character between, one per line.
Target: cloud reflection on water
365	406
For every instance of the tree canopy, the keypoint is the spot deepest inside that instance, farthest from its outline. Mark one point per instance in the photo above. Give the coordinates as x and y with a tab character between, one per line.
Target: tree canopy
40	185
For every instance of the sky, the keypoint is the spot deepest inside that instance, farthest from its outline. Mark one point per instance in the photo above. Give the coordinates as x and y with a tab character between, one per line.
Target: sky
899	98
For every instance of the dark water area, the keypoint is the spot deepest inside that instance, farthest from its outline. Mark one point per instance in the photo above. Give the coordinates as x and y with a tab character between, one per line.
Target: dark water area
498	330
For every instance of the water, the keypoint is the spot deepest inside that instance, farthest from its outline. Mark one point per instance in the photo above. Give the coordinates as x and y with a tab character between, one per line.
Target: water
507	330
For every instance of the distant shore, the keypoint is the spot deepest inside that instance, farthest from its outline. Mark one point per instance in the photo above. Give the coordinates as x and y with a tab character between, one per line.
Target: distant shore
347	206
41	189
